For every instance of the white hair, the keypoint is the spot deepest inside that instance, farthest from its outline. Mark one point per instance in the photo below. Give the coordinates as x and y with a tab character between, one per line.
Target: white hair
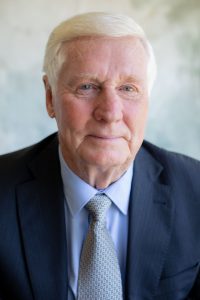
93	24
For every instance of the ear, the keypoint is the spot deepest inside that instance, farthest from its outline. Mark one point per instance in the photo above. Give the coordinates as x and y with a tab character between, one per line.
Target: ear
49	97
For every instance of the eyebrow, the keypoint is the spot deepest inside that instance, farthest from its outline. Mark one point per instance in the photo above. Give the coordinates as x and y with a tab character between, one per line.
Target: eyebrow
87	76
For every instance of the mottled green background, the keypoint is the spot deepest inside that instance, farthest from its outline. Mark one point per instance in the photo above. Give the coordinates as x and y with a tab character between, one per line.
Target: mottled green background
172	26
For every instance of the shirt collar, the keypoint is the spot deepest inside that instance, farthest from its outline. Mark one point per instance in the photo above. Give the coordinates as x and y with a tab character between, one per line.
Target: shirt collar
78	192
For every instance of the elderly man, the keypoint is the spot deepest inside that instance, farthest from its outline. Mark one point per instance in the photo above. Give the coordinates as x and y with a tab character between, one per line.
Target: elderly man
93	212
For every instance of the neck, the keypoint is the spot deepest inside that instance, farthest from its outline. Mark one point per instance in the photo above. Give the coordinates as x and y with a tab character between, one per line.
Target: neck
97	176
101	179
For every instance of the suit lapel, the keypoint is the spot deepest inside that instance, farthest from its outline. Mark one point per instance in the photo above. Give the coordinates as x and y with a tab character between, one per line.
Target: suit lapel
41	215
149	228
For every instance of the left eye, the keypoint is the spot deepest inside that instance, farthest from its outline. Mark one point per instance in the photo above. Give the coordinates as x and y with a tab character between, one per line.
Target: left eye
127	88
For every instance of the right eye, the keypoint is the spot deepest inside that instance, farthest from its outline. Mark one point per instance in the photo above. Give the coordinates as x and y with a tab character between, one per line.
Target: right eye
87	89
86	86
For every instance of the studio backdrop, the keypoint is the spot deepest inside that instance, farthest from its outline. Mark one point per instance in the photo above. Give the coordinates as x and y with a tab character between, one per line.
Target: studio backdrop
173	28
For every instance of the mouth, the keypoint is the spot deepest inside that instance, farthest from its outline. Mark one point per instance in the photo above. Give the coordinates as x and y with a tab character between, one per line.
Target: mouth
105	138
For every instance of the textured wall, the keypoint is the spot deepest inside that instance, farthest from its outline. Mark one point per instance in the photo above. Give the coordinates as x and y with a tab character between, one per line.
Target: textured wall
173	28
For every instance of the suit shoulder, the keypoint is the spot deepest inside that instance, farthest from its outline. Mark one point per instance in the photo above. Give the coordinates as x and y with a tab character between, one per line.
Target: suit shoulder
172	158
14	162
179	170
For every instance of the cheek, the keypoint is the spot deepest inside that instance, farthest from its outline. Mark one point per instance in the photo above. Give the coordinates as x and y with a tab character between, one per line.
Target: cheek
136	118
72	116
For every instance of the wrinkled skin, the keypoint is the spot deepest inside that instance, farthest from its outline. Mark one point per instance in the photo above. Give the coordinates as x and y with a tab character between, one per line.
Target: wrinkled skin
100	104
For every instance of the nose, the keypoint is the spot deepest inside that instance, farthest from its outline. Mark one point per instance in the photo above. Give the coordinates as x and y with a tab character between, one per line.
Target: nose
109	107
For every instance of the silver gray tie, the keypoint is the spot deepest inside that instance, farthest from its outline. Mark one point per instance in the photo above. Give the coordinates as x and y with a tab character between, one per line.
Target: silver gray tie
99	273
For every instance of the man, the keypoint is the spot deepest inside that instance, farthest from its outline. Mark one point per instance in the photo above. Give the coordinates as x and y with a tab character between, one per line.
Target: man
99	70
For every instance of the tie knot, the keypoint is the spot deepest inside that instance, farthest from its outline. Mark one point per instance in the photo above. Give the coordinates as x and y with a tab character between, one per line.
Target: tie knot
98	207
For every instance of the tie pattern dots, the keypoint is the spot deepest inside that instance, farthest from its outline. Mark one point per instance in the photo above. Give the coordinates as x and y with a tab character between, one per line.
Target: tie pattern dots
99	273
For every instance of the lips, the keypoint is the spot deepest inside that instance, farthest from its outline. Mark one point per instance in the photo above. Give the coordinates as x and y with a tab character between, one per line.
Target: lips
110	135
105	137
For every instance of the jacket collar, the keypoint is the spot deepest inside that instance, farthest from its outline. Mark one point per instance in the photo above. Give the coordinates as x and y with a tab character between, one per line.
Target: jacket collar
151	217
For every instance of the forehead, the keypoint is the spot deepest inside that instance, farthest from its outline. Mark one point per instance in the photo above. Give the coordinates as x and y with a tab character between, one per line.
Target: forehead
106	55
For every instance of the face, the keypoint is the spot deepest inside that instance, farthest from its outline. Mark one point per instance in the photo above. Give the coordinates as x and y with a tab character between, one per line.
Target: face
100	102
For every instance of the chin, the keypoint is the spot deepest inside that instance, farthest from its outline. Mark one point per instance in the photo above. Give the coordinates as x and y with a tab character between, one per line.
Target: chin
106	160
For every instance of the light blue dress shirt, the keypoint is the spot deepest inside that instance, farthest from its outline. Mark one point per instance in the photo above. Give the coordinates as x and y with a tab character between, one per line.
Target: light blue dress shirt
77	193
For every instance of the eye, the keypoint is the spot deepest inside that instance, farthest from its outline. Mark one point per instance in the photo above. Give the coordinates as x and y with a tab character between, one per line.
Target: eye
128	88
86	86
87	89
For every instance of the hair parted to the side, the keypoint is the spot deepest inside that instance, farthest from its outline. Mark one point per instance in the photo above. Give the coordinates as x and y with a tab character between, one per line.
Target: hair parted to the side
93	24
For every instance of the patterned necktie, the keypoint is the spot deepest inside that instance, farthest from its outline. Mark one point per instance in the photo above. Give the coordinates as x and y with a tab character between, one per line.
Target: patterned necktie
99	273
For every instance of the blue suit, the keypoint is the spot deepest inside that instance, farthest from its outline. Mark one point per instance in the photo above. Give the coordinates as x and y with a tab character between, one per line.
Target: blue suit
163	256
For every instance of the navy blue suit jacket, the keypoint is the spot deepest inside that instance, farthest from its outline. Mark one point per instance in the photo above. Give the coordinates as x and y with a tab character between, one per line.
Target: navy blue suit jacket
163	256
